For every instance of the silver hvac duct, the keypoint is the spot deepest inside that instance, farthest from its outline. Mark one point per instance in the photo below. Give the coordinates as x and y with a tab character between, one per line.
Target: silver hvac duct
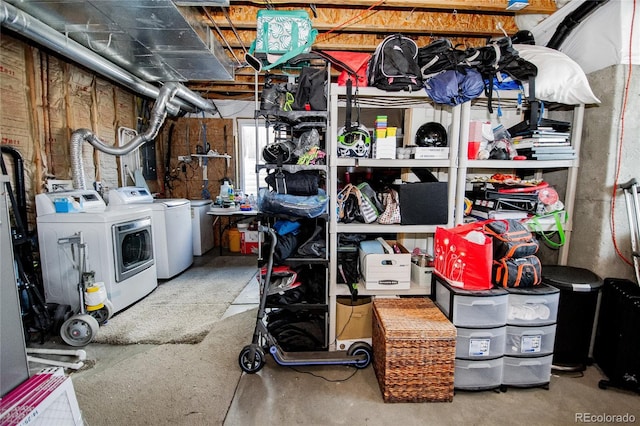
28	26
158	115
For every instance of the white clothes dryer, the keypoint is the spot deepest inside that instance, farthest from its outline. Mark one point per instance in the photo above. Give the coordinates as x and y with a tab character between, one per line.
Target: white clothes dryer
171	222
119	247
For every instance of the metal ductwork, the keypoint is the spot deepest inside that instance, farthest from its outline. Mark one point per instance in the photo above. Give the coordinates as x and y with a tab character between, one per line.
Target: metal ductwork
32	28
154	40
158	116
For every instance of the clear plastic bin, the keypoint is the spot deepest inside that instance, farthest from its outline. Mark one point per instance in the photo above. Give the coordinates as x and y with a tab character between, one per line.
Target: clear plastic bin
526	372
475	343
476	375
530	341
472	309
533	306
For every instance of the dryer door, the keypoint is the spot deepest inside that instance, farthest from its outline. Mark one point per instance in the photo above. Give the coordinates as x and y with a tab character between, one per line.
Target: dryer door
133	247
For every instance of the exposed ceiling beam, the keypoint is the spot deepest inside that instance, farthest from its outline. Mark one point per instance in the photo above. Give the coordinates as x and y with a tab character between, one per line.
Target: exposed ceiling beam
535	6
388	21
358	41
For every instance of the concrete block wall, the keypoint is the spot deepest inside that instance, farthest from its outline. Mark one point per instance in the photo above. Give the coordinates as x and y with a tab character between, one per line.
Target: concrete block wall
592	245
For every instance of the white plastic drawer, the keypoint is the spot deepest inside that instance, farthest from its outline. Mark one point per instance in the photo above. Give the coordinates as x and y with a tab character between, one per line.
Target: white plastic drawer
482	374
472	309
530	341
533	306
526	371
479	343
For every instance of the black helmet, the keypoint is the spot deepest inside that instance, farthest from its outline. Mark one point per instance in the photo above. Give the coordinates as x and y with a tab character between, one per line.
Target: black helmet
279	152
431	134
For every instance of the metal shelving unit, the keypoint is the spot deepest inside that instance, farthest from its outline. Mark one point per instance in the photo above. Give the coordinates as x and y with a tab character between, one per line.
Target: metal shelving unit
292	124
537	168
372	98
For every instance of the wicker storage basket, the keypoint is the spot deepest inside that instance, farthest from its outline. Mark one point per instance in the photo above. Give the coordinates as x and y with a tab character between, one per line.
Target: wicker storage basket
414	347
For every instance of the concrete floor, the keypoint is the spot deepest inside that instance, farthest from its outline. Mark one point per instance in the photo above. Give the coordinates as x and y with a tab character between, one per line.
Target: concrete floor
202	384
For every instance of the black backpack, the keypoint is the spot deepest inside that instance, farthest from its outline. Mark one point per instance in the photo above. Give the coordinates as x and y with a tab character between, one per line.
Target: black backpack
499	56
439	55
393	66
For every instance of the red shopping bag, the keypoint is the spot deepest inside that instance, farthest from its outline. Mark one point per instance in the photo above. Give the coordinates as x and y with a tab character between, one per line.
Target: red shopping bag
462	261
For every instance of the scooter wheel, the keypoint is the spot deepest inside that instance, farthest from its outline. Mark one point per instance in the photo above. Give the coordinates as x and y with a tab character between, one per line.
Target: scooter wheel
250	364
361	348
103	314
79	330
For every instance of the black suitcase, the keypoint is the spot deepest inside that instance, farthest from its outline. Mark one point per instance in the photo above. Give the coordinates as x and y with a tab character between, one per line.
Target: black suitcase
617	344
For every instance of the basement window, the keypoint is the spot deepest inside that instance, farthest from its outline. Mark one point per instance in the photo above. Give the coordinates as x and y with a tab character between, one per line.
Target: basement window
253	138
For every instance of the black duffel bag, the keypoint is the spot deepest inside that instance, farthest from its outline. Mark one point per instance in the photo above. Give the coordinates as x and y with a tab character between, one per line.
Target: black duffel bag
305	182
517	272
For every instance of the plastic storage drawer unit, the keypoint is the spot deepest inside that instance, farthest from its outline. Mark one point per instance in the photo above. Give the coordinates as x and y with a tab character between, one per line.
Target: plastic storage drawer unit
526	372
533	305
530	341
471	308
474	343
478	375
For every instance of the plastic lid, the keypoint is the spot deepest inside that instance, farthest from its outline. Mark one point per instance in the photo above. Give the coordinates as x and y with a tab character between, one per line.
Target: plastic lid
534	291
570	278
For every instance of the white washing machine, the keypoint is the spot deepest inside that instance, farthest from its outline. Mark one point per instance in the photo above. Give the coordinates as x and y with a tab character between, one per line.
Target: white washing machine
202	226
119	247
171	221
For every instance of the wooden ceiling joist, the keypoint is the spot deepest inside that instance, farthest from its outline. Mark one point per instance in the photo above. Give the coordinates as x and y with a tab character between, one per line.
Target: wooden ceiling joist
535	6
387	21
356	42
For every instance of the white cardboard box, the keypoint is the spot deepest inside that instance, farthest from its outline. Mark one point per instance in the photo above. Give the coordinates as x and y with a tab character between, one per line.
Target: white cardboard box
386	271
384	148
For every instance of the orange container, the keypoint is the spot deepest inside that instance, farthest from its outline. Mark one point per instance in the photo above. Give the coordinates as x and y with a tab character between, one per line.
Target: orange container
234	240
